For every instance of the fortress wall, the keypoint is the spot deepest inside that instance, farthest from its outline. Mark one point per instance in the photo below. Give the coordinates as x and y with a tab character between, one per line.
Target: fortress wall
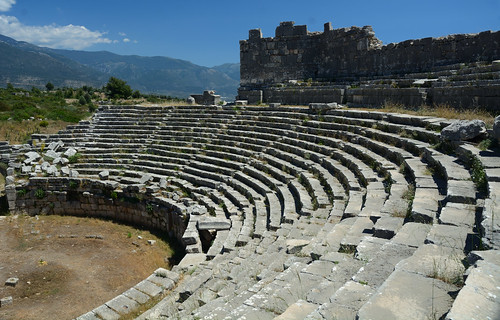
350	53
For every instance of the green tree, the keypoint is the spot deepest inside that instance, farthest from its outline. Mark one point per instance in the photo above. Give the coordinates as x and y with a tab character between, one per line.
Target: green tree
136	94
49	86
82	100
88	98
118	89
35	91
68	93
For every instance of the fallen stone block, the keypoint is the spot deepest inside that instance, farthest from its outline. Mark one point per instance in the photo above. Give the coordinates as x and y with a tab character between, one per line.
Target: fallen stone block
323	106
463	130
6	301
104	175
11	282
70	152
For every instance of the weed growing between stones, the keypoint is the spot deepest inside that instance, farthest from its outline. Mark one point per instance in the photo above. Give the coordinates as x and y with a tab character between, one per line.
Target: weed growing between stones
409	195
22	192
75	158
40	193
478	175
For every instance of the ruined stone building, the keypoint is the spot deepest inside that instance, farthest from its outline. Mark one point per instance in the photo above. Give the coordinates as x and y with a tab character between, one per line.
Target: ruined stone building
350	65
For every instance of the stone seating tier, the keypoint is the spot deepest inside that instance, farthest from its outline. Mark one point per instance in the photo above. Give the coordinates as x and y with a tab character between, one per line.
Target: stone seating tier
311	201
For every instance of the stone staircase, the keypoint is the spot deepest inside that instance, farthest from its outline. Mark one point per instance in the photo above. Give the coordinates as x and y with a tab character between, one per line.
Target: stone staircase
310	216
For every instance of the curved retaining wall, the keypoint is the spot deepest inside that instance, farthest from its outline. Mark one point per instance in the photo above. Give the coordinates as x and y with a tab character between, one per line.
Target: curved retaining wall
94	198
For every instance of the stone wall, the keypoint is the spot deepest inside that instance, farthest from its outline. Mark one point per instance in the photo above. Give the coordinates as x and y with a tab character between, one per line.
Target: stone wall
94	198
350	53
485	97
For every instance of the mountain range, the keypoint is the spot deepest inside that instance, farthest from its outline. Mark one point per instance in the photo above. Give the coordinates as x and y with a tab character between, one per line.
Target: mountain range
26	65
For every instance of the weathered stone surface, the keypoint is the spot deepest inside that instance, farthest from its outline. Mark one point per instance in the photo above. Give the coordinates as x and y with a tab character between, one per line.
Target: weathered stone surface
191	260
149	288
412	234
52	154
408	296
461	130
9	180
350	297
106	313
197	210
480	297
88	316
27	169
137	295
163	182
6	301
212	223
463	191
458	214
32	155
164	273
496	128
103	175
54	146
387	227
295	245
11	282
322	106
448	236
435	261
122	304
145	178
297	311
70	152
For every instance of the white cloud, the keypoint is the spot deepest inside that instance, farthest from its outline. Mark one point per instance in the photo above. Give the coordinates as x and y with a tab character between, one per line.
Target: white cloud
53	36
123	34
5	5
126	40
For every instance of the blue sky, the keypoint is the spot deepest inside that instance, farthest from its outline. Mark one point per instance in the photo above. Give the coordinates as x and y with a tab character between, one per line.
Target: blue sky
207	32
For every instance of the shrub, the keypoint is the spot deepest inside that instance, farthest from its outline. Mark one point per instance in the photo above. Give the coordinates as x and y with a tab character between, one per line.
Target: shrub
40	193
75	158
44	123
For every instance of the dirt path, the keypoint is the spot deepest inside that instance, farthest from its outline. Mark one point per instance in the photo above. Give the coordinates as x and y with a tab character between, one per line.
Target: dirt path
63	272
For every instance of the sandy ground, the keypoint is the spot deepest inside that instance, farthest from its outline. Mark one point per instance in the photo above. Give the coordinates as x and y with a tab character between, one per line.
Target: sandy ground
62	272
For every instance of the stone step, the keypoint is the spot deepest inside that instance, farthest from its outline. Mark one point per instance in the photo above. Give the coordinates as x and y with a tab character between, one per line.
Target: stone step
428	298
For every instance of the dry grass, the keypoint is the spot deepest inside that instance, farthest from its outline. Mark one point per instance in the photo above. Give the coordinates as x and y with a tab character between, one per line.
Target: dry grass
440	111
19	132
